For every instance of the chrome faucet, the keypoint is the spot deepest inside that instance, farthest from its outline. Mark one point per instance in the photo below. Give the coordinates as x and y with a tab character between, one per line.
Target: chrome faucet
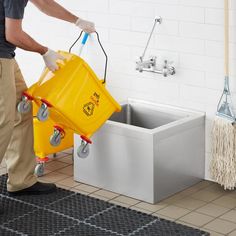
150	65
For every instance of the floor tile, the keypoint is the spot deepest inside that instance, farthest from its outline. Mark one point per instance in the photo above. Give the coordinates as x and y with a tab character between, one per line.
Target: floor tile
140	210
189	191
226	201
230	216
69	182
86	188
173	212
206	196
67	170
63	186
196	219
212	210
163	227
55	165
151	207
69	150
46	171
126	200
163	217
98	197
106	194
221	226
232	193
120	203
212	233
203	184
174	198
189	203
67	159
53	177
58	155
79	191
185	223
216	188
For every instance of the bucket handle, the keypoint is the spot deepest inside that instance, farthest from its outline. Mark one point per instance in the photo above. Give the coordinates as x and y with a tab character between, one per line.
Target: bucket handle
86	35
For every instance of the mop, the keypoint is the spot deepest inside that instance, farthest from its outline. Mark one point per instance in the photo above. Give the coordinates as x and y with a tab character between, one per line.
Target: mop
223	164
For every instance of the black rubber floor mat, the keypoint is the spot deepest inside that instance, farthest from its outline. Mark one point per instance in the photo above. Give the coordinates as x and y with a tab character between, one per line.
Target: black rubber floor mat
88	230
79	206
116	220
67	213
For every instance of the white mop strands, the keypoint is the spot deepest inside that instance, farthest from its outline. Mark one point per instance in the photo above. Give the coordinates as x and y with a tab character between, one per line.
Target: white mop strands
223	164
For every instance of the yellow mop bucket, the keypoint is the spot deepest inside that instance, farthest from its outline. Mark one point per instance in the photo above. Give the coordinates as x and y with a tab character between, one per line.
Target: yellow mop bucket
42	146
75	99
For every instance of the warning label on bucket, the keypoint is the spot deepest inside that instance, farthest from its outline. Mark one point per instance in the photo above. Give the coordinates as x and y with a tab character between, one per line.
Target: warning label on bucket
89	109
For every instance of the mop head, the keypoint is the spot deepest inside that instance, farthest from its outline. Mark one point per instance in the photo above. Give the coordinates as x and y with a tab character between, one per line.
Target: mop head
223	164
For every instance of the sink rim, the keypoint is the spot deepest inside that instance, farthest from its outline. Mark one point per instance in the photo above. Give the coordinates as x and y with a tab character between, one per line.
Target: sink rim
187	115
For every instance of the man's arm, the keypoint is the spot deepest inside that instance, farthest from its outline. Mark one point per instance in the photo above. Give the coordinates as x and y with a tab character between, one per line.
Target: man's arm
15	35
52	8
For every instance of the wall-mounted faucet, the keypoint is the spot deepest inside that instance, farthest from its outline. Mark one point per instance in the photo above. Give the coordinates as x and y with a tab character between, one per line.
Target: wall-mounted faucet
150	65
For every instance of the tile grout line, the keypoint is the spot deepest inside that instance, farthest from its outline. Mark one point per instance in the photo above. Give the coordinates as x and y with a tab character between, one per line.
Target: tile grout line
194	210
214	218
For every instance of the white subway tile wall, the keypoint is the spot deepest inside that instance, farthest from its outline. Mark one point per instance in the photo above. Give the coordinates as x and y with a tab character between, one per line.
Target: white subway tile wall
191	36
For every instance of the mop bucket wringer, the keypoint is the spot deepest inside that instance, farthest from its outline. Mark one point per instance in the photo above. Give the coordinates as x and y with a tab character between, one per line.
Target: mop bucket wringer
74	97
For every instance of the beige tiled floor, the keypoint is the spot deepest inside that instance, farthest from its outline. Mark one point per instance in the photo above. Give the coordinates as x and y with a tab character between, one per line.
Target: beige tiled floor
205	205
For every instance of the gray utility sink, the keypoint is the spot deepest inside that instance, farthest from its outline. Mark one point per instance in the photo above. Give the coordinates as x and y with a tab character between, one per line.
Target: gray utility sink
147	151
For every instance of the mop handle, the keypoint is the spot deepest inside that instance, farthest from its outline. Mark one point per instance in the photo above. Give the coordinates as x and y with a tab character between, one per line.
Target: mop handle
226	43
85	38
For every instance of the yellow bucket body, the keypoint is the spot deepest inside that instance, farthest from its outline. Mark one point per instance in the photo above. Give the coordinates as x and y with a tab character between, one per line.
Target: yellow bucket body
42	133
79	99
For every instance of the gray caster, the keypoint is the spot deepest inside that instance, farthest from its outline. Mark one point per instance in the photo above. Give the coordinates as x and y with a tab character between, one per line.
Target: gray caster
83	150
43	112
57	136
55	139
39	169
24	106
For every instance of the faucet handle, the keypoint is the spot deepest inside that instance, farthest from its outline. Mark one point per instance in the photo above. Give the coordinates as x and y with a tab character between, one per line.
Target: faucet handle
168	69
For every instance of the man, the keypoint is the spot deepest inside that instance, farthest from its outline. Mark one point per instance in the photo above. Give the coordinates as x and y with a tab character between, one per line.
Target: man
16	131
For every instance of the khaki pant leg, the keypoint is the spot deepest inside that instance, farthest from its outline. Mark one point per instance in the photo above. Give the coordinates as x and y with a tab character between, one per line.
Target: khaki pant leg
20	157
7	102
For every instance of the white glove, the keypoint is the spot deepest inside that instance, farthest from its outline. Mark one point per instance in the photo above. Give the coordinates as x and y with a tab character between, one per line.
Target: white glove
86	26
50	58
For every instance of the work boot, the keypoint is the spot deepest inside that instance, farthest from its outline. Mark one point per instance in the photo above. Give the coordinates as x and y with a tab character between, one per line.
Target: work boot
36	189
